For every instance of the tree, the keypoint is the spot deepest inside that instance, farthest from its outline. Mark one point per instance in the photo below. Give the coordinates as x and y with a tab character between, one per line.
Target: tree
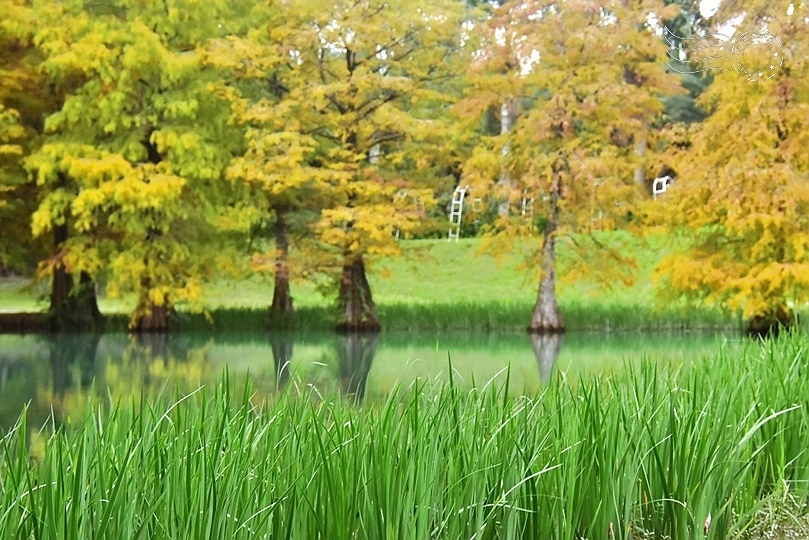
741	201
23	100
132	163
362	91
280	164
72	300
591	77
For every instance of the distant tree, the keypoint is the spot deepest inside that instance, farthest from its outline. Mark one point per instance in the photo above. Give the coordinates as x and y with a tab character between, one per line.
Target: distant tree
741	201
591	74
685	24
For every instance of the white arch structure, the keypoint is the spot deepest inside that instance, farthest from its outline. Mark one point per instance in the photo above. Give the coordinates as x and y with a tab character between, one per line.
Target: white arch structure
661	184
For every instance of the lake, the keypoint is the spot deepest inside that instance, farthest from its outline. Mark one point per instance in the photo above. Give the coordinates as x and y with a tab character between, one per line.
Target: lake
57	373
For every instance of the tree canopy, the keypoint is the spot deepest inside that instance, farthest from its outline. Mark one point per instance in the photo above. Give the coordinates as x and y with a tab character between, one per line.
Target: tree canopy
741	199
131	161
144	146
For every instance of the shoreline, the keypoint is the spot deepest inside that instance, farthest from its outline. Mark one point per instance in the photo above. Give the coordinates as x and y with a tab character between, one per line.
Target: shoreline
459	317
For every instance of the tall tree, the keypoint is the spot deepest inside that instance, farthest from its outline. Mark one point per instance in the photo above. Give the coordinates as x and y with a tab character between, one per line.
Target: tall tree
279	167
72	301
360	113
135	155
592	73
741	201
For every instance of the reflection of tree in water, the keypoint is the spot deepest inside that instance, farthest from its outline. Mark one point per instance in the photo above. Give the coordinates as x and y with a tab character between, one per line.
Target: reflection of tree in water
70	355
151	362
546	350
356	352
282	345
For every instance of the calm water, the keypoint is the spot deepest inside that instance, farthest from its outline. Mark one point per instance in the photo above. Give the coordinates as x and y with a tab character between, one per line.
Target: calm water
58	373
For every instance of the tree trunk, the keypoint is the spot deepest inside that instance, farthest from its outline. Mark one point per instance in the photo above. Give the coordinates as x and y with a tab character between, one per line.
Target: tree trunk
771	323
73	306
281	309
150	318
504	183
546	318
640	171
356	305
356	353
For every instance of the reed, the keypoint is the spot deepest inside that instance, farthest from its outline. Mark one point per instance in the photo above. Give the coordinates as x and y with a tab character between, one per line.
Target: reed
649	452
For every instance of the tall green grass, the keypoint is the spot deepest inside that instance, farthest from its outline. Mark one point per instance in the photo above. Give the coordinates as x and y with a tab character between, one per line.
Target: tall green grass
647	453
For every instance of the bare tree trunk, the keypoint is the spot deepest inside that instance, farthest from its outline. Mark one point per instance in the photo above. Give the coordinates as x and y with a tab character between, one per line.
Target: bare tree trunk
504	183
73	306
356	305
506	121
153	319
281	309
640	171
150	318
546	318
771	323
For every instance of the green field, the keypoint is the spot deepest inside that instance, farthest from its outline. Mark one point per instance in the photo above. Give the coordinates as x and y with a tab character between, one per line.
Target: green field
716	445
441	285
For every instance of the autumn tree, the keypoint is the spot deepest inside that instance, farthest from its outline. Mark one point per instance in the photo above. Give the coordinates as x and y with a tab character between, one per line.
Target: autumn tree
132	163
280	166
741	201
24	98
590	75
352	122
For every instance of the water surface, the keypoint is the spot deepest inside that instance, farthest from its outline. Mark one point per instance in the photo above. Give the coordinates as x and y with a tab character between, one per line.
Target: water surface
55	374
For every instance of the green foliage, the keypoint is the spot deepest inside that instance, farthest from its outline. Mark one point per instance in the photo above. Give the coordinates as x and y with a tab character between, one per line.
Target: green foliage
683	109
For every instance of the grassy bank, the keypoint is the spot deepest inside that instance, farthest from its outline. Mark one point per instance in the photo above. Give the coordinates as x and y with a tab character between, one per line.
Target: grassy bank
462	316
440	285
646	453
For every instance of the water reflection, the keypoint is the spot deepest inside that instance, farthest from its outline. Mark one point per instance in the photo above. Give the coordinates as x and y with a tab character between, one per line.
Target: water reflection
57	374
72	362
356	353
77	353
546	350
282	345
